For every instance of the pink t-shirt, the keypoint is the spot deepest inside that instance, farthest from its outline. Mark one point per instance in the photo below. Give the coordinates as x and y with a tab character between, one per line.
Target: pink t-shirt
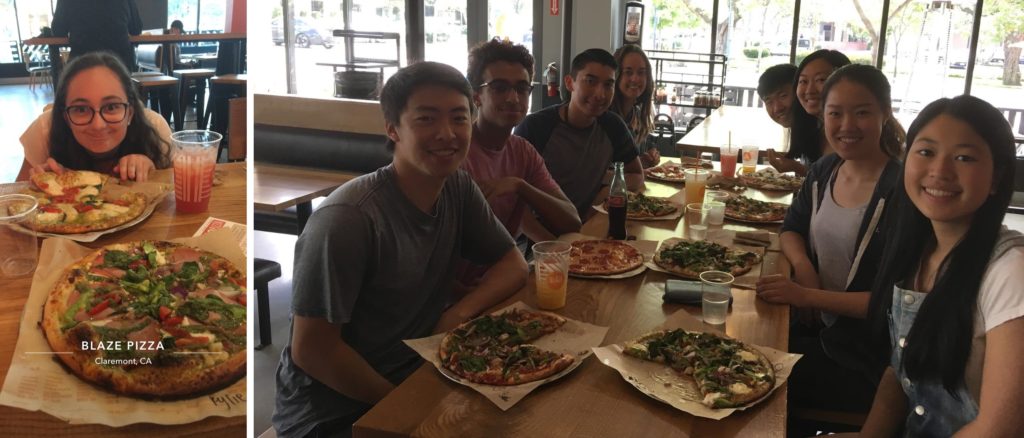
519	159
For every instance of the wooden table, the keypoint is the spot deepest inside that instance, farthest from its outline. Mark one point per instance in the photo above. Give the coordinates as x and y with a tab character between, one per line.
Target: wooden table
594	400
748	126
227	202
277	187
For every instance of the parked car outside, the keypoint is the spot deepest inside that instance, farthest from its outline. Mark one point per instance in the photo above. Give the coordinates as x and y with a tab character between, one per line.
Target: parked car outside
305	34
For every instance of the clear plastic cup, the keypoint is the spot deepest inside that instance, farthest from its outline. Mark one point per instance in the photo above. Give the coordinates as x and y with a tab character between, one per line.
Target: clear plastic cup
695	180
19	248
716	200
729	155
716	291
749	158
551	264
697	220
195	156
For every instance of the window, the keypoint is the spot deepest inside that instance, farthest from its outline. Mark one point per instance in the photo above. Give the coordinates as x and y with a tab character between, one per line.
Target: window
998	65
213	16
444	24
8	33
33	16
927	47
512	20
678	26
187	11
755	35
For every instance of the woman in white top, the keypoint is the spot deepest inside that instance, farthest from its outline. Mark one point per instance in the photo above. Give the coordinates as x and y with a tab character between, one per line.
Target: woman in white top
95	125
951	289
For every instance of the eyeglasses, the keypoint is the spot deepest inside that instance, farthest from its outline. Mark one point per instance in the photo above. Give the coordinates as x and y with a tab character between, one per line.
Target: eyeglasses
109	112
503	87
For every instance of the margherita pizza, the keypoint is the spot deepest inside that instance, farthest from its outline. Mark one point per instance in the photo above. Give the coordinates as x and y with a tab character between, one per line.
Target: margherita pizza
74	202
688	258
603	257
639	206
769	179
673	172
150	319
495	349
742	208
727	372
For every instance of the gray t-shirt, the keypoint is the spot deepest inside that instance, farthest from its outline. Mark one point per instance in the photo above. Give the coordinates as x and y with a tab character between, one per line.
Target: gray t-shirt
372	262
578	159
834	239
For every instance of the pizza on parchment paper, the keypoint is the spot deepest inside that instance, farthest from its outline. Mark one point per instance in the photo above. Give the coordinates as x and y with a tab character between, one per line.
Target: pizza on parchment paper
688	258
495	350
603	257
150	319
728	373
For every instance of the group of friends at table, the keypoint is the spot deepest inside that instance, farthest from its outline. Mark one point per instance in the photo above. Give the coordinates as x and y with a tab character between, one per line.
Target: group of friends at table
905	287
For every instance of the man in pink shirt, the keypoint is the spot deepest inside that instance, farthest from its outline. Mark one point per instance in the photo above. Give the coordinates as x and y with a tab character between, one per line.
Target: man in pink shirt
508	169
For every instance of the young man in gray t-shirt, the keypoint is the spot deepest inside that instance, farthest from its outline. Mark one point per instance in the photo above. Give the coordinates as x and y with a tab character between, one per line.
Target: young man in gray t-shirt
376	262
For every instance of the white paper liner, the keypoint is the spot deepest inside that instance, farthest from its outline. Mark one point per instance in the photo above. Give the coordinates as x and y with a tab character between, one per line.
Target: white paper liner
574	337
725	238
37	382
661	383
646	247
668	217
154	191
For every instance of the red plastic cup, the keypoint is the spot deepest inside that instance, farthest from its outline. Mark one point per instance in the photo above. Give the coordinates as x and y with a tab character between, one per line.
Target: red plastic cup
195	156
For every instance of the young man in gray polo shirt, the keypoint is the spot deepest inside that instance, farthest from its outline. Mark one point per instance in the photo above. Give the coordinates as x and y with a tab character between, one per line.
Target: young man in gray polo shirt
376	262
580	139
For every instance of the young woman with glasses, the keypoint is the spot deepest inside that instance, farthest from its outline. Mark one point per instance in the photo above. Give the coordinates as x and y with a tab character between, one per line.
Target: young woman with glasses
97	123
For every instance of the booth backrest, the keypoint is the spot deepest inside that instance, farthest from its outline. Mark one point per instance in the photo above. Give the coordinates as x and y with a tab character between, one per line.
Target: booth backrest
331	150
149	56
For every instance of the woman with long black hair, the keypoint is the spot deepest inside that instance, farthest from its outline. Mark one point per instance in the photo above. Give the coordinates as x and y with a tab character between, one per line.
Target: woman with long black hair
97	123
951	289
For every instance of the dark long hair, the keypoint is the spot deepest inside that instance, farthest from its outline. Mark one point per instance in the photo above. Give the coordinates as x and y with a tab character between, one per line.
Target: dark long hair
939	342
805	132
140	138
874	80
642	122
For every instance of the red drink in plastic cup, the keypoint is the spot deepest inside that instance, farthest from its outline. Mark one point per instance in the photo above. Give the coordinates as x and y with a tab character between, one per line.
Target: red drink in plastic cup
728	163
195	156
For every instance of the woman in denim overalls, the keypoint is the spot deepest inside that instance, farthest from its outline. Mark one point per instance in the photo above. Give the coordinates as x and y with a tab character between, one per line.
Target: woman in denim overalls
951	290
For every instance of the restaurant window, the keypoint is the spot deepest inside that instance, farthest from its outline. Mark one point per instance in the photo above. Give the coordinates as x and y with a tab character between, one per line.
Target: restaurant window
212	16
926	53
445	41
754	36
849	26
512	20
33	16
998	64
185	10
678	26
8	33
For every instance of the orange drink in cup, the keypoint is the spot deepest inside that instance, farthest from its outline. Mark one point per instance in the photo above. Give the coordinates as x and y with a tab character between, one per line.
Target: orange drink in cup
195	155
551	264
696	180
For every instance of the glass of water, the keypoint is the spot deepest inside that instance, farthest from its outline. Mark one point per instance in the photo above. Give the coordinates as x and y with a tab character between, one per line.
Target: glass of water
716	291
697	215
716	200
18	245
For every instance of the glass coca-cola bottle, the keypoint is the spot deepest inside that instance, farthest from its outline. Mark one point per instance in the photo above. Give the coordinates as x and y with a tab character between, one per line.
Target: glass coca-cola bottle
617	204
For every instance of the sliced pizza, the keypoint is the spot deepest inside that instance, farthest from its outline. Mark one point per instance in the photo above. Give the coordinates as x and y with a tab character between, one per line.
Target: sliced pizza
495	350
603	257
74	202
688	258
727	372
640	206
771	180
744	209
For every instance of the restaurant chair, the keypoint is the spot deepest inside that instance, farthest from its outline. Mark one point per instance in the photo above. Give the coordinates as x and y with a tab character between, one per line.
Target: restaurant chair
37	64
158	90
266	270
222	88
192	90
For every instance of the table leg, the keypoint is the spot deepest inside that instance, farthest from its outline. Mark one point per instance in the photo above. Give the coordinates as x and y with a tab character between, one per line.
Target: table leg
303	210
263	308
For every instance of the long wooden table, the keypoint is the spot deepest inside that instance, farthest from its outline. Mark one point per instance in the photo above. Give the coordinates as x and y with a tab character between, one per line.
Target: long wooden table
228	202
594	400
748	125
277	187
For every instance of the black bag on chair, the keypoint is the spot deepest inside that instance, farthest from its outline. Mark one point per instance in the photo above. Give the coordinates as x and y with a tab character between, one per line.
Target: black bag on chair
663	137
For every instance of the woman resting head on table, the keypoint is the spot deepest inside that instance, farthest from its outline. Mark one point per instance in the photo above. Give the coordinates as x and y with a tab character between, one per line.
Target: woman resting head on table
950	290
97	123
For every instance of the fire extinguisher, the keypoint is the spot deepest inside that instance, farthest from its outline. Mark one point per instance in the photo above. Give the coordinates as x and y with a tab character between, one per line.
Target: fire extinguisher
551	74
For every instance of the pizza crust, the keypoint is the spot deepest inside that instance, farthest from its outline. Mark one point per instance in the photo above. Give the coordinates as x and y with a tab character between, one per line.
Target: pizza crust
603	257
61	203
